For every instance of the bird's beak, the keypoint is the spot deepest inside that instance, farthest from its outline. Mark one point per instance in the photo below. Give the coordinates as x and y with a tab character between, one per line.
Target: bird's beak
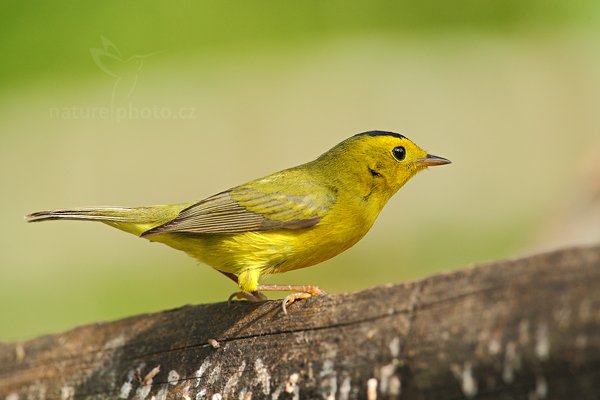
430	160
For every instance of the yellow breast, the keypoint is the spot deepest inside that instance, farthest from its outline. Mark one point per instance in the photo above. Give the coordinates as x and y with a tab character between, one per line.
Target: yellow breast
268	252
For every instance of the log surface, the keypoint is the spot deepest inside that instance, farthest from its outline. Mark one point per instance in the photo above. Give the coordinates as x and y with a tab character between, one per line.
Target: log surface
519	329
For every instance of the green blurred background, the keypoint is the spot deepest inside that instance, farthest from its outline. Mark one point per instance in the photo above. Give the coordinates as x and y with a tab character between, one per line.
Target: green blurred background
137	103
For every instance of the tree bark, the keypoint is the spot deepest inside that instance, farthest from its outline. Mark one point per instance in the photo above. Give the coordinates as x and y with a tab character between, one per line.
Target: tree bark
519	329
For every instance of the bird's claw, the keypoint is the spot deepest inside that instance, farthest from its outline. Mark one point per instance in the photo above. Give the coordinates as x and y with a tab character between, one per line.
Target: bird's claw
253	297
292	297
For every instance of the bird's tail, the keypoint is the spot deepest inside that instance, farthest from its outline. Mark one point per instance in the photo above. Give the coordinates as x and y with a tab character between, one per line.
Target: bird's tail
133	220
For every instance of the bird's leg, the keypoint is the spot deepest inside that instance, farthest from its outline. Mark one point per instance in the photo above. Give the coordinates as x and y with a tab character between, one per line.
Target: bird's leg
299	292
253	296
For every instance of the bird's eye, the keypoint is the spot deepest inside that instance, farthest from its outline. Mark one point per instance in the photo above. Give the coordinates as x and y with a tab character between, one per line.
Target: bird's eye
399	152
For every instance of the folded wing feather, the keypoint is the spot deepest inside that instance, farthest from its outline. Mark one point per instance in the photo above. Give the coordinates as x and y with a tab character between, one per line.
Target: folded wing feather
256	206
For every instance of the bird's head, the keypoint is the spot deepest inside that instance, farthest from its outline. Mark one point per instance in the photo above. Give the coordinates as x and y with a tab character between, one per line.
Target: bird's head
380	161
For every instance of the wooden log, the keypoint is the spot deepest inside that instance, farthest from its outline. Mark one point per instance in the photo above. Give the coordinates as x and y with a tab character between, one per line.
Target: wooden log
517	329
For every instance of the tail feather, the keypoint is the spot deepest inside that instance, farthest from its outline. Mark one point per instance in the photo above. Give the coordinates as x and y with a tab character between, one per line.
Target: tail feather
135	220
115	214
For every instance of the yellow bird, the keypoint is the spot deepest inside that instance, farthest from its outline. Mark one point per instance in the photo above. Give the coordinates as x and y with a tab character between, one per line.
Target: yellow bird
291	219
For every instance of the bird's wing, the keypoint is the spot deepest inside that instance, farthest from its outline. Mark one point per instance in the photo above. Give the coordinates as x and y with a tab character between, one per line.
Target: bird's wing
275	202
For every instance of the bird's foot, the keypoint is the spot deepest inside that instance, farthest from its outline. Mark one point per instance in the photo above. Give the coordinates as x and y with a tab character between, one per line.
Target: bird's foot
299	292
249	296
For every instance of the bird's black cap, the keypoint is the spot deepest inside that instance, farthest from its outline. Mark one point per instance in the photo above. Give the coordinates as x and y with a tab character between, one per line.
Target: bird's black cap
381	133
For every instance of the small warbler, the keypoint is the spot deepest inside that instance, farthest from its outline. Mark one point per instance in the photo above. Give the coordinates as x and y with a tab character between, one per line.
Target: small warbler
291	219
